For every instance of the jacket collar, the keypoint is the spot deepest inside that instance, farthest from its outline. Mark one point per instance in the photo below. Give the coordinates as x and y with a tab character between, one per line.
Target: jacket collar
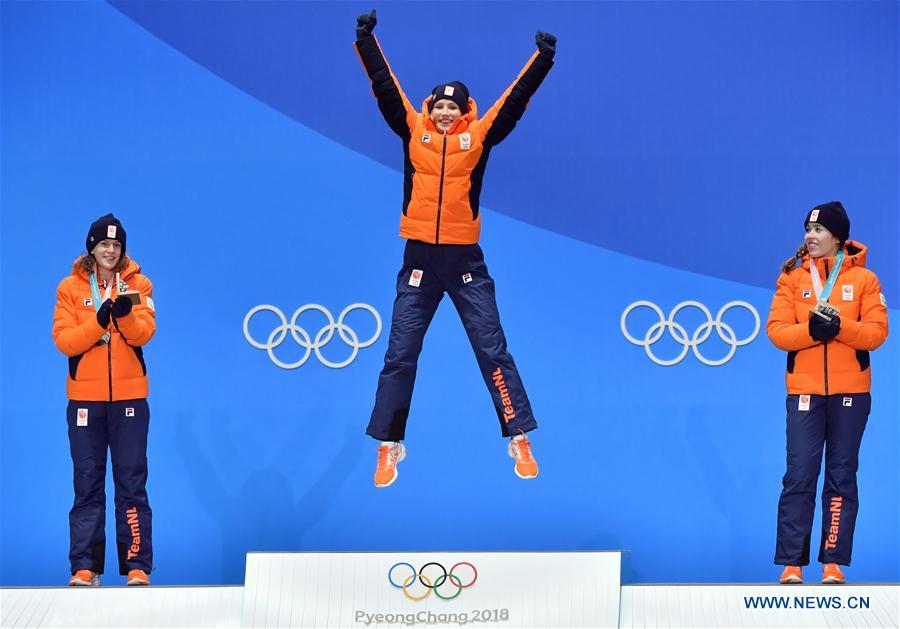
130	269
459	125
855	253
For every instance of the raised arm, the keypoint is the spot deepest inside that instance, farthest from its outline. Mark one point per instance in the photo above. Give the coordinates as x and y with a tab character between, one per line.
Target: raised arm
502	117
393	103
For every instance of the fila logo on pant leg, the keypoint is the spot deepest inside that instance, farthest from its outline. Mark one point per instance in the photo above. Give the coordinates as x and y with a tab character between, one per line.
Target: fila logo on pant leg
467	277
129	412
804	403
848	401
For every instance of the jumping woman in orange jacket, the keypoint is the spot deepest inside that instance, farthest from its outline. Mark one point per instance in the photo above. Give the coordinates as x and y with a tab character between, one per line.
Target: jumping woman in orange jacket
445	149
828	381
104	316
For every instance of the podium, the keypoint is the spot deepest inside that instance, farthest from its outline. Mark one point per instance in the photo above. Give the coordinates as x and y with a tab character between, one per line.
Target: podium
480	589
452	589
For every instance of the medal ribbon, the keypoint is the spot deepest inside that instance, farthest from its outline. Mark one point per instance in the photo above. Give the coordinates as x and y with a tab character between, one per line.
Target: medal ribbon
823	292
95	293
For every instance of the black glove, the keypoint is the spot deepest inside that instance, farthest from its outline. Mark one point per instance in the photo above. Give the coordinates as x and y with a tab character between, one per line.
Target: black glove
823	330
103	313
121	307
365	24
545	41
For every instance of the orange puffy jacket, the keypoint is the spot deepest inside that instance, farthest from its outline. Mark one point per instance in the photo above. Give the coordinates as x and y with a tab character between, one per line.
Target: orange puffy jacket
112	371
442	174
840	365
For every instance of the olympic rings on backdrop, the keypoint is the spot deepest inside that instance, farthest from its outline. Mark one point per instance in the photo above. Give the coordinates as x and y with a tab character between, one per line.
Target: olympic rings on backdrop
303	339
429	583
677	332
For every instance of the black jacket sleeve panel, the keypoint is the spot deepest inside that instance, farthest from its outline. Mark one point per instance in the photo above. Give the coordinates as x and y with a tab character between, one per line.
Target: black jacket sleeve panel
502	117
394	106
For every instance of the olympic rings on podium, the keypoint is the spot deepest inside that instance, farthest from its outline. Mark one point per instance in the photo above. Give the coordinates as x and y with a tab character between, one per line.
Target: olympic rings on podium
410	579
430	585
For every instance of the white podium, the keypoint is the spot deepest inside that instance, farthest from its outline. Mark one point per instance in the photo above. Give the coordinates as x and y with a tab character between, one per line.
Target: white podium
408	589
453	589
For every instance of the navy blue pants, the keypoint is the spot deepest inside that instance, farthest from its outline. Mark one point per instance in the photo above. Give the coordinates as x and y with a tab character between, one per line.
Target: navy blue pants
122	427
428	272
836	422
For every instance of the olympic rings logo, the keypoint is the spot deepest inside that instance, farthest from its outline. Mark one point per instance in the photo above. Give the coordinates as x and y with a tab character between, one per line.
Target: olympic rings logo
303	339
677	332
432	584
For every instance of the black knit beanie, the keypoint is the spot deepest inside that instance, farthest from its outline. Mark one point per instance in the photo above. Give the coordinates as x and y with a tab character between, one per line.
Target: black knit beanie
833	217
105	228
455	91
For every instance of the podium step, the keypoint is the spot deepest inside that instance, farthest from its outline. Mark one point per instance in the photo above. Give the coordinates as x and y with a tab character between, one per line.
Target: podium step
452	589
154	606
760	605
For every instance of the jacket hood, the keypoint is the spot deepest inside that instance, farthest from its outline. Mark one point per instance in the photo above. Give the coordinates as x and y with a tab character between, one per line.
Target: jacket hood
460	124
130	269
855	253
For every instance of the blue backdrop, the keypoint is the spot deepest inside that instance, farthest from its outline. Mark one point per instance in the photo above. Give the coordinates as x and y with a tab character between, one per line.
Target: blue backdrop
670	155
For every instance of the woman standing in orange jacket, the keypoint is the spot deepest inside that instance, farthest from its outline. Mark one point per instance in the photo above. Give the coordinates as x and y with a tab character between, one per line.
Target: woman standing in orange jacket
104	316
828	381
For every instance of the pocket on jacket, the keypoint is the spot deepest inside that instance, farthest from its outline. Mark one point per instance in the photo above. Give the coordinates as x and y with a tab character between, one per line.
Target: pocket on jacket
791	357
139	352
862	357
407	191
73	365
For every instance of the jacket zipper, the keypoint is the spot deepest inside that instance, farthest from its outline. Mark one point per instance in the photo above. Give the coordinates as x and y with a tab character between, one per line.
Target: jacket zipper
109	365
437	230
825	344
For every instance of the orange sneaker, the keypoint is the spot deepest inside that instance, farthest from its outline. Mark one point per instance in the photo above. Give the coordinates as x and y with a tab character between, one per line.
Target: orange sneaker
85	578
792	574
388	458
831	573
520	450
138	577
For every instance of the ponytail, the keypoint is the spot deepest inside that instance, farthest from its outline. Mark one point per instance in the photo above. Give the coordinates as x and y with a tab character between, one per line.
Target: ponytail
790	263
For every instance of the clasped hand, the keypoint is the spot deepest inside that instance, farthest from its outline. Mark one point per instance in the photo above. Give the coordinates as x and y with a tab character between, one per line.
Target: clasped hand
821	329
119	308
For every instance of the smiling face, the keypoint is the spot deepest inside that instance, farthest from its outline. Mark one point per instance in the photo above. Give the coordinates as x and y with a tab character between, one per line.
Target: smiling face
107	254
821	242
444	114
